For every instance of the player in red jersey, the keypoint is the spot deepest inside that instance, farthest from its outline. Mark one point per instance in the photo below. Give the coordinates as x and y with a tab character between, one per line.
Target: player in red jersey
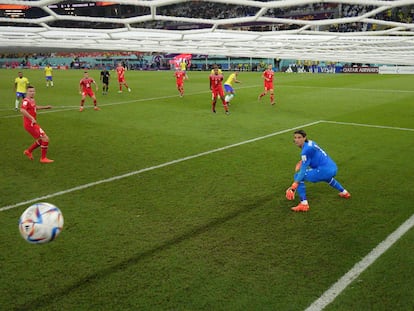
180	76
120	71
216	87
268	84
29	112
85	89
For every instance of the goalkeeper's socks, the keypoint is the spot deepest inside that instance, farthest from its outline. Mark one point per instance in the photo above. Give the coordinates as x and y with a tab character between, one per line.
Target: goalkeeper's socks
335	184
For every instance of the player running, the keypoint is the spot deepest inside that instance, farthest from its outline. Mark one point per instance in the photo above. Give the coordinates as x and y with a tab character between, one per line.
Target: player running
216	88
29	112
180	76
120	71
228	86
20	87
267	75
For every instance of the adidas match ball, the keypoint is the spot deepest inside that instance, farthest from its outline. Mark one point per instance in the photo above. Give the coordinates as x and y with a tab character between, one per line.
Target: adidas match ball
41	223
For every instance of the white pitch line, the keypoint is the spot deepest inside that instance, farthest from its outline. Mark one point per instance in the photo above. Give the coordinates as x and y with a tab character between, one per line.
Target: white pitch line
337	288
67	108
347	89
370	125
92	184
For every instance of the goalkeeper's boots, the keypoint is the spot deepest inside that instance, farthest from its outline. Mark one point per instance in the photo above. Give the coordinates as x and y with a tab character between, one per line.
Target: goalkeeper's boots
345	195
301	208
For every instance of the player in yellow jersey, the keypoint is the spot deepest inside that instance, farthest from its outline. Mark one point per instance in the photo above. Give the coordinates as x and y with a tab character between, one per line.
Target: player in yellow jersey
20	87
228	86
183	66
49	75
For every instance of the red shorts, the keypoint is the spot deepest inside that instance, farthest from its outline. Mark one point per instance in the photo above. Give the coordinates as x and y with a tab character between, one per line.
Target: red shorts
217	92
121	80
35	130
88	92
268	86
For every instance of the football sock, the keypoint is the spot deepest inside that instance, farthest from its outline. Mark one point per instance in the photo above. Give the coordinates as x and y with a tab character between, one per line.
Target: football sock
82	102
44	147
301	190
226	108
335	184
16	104
35	145
272	97
213	105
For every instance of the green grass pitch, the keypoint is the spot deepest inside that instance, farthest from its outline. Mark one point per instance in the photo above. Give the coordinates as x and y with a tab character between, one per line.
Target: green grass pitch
170	207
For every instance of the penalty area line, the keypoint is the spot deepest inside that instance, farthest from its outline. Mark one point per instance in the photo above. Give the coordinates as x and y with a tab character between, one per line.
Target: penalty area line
111	179
337	288
370	125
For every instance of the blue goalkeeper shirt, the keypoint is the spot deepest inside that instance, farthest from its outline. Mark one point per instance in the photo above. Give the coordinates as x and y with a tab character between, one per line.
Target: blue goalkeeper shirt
314	157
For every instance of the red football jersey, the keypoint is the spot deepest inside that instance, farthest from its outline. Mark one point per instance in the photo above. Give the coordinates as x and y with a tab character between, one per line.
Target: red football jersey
180	76
268	75
216	81
29	105
120	71
86	84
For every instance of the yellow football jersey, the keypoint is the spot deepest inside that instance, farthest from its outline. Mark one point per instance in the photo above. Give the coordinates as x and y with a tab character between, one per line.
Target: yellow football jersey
21	84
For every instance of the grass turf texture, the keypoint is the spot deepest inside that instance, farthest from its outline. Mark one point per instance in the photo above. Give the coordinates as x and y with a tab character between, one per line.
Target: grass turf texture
213	232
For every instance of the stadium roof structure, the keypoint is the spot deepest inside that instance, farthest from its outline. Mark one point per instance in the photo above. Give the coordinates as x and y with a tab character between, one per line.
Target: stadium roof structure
305	38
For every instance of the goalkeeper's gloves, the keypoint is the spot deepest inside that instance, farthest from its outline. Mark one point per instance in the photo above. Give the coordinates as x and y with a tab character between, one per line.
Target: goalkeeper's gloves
290	192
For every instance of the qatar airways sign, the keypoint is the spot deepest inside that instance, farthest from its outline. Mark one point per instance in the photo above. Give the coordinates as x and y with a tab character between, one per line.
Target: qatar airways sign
359	69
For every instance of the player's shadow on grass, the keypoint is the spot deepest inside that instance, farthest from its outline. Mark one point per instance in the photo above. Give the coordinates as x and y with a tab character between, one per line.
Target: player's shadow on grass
88	280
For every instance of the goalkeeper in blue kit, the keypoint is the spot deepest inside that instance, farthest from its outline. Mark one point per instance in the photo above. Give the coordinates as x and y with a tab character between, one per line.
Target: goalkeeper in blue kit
315	166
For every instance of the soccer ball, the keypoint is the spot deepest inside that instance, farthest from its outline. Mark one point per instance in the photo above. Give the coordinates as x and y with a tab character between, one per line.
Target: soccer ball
41	223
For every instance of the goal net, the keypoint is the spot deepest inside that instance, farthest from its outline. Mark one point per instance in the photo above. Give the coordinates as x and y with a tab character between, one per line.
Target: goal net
362	31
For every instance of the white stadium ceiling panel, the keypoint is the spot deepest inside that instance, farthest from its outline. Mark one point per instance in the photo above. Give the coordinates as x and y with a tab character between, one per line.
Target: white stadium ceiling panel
348	31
